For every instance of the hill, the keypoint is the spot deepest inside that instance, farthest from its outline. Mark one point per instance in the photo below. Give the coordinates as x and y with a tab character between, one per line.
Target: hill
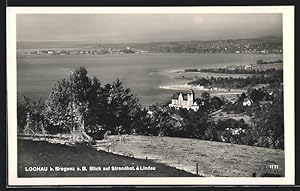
250	45
69	161
213	158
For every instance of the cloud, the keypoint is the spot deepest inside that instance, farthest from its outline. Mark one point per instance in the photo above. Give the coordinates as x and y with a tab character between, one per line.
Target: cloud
146	27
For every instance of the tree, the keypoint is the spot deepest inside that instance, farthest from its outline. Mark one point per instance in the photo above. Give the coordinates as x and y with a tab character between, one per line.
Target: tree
196	123
121	109
141	122
256	94
21	116
204	101
58	106
216	103
268	127
242	97
33	116
68	107
161	121
205	95
96	111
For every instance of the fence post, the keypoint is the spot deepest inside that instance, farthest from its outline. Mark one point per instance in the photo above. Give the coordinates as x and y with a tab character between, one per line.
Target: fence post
197	169
253	174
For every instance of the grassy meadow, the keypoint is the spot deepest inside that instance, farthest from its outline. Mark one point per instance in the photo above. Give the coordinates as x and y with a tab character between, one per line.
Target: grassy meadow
43	154
213	158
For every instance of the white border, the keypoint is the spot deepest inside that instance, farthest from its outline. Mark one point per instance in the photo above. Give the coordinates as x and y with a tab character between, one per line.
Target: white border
288	60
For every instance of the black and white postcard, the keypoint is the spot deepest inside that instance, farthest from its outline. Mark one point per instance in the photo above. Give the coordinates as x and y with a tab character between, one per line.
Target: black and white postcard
150	95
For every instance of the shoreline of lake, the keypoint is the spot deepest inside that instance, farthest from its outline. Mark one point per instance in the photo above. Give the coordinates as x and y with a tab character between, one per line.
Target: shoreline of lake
142	73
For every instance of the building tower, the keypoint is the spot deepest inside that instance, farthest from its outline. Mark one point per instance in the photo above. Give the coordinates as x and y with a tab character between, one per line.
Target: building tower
190	98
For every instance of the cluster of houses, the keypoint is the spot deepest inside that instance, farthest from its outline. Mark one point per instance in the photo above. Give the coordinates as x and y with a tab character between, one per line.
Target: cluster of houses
239	67
249	102
186	100
70	52
84	51
248	68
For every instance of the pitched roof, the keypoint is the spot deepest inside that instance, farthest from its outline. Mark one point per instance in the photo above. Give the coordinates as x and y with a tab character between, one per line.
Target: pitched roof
176	95
246	99
184	94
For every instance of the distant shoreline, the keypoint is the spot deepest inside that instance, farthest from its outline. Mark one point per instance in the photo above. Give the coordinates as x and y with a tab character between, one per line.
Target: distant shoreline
183	87
237	46
182	84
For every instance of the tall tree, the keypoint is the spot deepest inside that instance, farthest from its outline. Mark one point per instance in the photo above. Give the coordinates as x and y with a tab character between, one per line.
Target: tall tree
121	107
33	115
68	105
161	121
58	107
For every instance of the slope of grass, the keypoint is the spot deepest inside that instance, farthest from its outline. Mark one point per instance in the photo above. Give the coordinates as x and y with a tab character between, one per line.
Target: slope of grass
213	158
43	154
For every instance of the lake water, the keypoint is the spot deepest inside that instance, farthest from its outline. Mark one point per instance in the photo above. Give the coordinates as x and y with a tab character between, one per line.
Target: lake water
144	74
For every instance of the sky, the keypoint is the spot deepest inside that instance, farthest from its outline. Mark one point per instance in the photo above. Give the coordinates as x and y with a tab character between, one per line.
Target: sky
114	28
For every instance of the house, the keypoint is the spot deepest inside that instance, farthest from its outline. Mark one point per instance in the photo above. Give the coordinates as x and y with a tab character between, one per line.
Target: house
50	52
265	103
185	100
247	102
248	67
